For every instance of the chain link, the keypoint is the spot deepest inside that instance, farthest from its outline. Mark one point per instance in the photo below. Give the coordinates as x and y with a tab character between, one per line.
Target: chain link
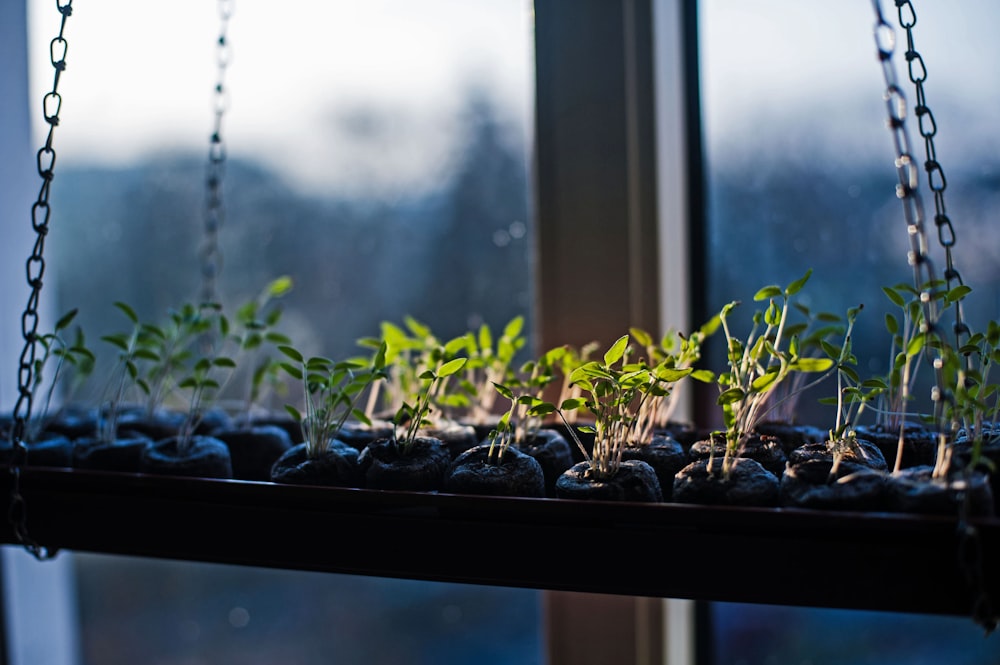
215	213
970	557
918	256
17	512
936	180
969	543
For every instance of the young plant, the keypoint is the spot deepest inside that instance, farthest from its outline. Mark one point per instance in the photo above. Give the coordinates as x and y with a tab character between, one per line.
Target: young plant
853	394
169	348
521	422
255	336
614	391
759	366
415	415
209	371
534	378
911	339
456	393
73	356
409	355
489	363
678	351
565	363
504	434
975	405
814	333
331	391
126	378
907	334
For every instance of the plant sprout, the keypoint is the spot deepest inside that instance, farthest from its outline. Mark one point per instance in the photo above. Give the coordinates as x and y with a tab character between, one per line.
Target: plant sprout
504	434
125	376
489	363
169	349
814	333
521	421
409	354
533	378
565	363
758	366
853	394
907	341
255	335
975	406
73	355
416	415
676	350
200	379
330	393
911	336
613	390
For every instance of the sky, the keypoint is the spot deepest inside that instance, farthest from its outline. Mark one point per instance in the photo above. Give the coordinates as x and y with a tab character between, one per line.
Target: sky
141	73
813	64
364	93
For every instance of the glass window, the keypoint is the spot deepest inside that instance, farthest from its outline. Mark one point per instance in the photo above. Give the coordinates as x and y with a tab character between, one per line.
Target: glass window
375	152
347	189
139	610
800	176
799	160
762	634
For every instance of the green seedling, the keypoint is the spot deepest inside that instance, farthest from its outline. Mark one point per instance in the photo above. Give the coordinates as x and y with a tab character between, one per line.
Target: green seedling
73	357
331	391
759	365
613	391
415	416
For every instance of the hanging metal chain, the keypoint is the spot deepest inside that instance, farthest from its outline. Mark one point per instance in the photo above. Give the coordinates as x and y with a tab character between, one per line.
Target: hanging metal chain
17	512
215	212
970	558
924	277
936	180
969	542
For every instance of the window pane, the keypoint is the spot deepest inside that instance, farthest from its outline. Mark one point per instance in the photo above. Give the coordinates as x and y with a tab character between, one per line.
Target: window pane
801	176
376	152
763	634
800	163
151	611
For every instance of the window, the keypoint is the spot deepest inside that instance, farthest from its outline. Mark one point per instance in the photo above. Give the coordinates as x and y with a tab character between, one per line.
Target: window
800	164
735	182
800	175
377	153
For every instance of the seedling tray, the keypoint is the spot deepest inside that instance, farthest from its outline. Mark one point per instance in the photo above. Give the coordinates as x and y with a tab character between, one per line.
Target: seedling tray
877	561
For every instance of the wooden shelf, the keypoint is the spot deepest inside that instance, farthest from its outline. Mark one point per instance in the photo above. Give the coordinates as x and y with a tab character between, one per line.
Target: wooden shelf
783	556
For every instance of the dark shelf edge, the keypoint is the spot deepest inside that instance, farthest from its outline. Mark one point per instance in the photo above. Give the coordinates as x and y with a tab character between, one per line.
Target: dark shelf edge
872	561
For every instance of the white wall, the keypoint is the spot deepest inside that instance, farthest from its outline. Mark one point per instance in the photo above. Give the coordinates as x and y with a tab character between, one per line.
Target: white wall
40	609
19	185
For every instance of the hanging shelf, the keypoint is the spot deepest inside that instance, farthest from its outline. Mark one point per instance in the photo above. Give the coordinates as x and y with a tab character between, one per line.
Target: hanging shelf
873	561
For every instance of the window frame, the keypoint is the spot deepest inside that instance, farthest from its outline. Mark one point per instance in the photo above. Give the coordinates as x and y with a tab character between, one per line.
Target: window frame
620	231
